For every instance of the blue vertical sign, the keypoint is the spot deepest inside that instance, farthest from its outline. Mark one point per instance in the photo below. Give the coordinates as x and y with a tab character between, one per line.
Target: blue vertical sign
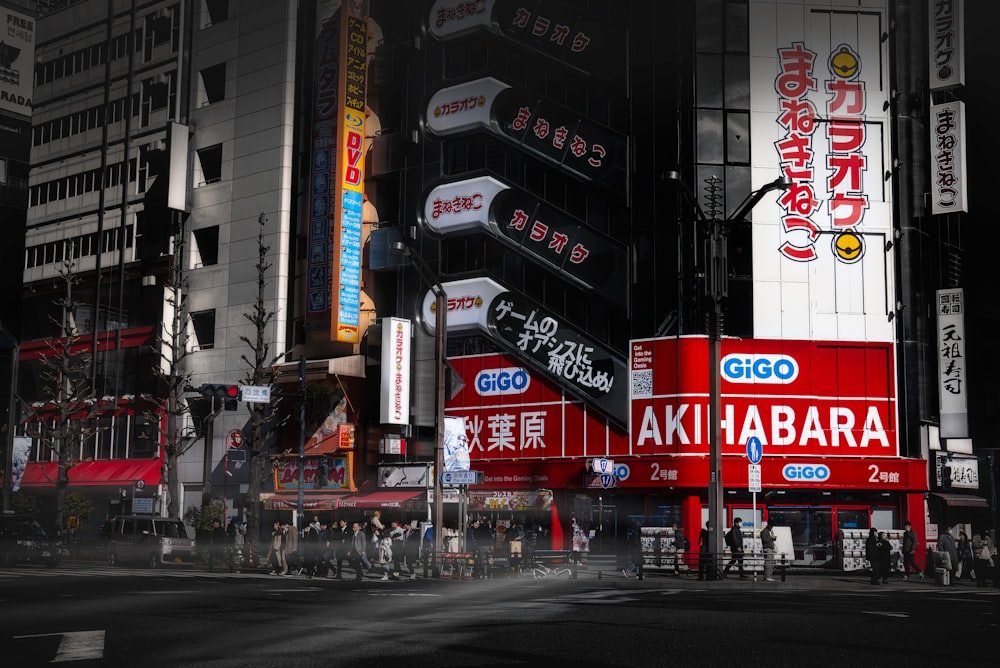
754	450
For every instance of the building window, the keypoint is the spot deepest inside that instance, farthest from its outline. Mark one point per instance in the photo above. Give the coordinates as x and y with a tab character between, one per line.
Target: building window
213	84
203	323
210	164
214	11
205	249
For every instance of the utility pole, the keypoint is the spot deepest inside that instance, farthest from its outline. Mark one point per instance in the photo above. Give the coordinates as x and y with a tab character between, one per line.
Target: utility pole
717	289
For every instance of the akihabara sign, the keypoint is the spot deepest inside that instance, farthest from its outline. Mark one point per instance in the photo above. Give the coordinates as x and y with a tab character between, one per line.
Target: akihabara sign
548	235
800	398
952	364
539	338
947	44
948	170
559	135
552	28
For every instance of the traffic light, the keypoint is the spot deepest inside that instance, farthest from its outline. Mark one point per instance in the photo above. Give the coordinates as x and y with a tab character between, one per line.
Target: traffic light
945	477
228	394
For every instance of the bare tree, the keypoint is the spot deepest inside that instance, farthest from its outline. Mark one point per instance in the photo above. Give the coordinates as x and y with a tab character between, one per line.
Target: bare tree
175	431
260	372
67	414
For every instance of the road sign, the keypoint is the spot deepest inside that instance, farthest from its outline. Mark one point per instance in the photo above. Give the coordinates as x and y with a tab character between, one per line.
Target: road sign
753	473
235	438
754	450
462	478
602	465
255	394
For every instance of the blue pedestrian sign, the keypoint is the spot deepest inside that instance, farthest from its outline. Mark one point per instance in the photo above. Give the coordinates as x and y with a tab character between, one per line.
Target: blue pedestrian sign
754	450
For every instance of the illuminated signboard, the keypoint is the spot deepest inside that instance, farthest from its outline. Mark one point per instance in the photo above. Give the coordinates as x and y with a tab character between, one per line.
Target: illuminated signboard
556	29
552	237
820	268
799	398
541	339
394	406
561	136
952	364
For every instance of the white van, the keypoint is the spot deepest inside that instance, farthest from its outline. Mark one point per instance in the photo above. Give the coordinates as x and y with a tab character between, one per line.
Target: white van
154	541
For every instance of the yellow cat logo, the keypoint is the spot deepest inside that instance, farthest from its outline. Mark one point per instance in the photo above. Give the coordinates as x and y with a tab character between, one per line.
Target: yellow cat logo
845	63
848	246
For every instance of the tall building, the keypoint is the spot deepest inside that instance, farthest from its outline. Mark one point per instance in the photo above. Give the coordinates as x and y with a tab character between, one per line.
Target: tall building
672	236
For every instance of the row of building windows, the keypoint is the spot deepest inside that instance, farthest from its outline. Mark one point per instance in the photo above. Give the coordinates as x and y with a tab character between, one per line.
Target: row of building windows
78	247
158	29
82	121
74	185
124	437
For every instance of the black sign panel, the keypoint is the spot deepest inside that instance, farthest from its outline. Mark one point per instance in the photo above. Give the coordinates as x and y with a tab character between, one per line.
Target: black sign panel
558	134
554	348
555	29
563	243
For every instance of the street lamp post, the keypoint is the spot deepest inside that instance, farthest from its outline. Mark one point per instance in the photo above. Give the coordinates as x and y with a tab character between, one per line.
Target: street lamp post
716	277
440	334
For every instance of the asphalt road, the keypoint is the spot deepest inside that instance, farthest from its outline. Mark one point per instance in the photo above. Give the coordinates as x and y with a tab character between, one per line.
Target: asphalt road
85	614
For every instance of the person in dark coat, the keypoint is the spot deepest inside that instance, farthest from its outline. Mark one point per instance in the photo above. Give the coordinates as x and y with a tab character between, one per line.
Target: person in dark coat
704	552
734	539
884	556
872	554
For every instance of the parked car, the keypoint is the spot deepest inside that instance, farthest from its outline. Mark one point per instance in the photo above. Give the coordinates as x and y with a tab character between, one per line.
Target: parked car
23	540
149	540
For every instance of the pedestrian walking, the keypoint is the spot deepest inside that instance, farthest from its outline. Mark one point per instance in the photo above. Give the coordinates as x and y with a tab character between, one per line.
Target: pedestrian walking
965	557
767	543
680	548
293	559
278	564
949	551
358	552
217	543
734	539
705	557
909	549
872	554
884	556
411	548
340	538
396	537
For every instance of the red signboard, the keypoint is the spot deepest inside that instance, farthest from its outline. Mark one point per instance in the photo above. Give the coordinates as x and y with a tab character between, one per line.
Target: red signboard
800	398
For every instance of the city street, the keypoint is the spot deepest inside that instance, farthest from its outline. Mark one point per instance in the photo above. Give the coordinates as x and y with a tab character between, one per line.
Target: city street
96	615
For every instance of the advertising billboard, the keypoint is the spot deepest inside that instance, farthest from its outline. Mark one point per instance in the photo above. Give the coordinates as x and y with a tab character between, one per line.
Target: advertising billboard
820	114
17	62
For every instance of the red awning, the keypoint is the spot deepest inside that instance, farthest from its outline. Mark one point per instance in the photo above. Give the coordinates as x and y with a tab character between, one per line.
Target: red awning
96	474
408	499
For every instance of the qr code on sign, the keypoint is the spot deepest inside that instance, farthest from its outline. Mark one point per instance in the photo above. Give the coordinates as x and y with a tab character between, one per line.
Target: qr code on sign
642	383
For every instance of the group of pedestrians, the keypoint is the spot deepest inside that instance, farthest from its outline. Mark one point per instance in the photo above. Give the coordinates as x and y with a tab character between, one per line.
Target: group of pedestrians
972	559
393	551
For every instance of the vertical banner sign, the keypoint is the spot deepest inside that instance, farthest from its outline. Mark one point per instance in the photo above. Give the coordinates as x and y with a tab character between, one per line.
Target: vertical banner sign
952	386
346	269
948	158
17	62
19	460
324	161
394	406
947	44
